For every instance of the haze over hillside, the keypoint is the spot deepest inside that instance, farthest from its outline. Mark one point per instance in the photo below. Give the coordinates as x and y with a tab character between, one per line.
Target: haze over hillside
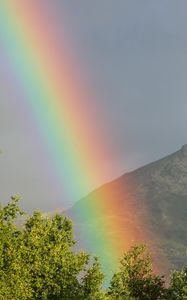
157	195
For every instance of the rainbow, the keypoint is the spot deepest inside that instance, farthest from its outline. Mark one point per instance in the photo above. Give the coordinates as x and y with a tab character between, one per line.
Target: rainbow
61	104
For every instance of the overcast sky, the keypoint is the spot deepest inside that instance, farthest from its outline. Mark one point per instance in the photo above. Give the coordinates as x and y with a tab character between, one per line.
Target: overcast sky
135	55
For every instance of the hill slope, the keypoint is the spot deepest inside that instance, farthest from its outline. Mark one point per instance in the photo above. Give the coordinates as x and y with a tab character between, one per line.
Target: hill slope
157	194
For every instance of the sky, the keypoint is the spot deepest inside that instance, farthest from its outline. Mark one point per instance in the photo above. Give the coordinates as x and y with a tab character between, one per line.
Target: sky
134	54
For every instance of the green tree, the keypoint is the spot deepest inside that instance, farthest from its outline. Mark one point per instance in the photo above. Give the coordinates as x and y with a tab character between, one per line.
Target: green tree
11	272
92	283
37	260
178	285
135	279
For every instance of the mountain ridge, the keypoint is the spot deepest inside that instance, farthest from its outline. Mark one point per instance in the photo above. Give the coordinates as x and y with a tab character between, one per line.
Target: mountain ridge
157	195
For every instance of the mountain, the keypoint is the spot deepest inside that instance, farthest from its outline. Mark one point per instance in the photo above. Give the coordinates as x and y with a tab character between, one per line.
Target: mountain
157	195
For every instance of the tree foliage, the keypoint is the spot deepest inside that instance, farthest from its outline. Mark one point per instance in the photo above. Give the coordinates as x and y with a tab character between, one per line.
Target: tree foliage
135	279
178	286
38	262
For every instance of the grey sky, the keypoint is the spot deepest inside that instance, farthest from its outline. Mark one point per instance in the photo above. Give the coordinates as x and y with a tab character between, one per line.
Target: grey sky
135	53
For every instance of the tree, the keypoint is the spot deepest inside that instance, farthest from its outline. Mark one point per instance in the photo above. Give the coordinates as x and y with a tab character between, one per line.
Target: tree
11	270
178	285
135	279
92	283
37	260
